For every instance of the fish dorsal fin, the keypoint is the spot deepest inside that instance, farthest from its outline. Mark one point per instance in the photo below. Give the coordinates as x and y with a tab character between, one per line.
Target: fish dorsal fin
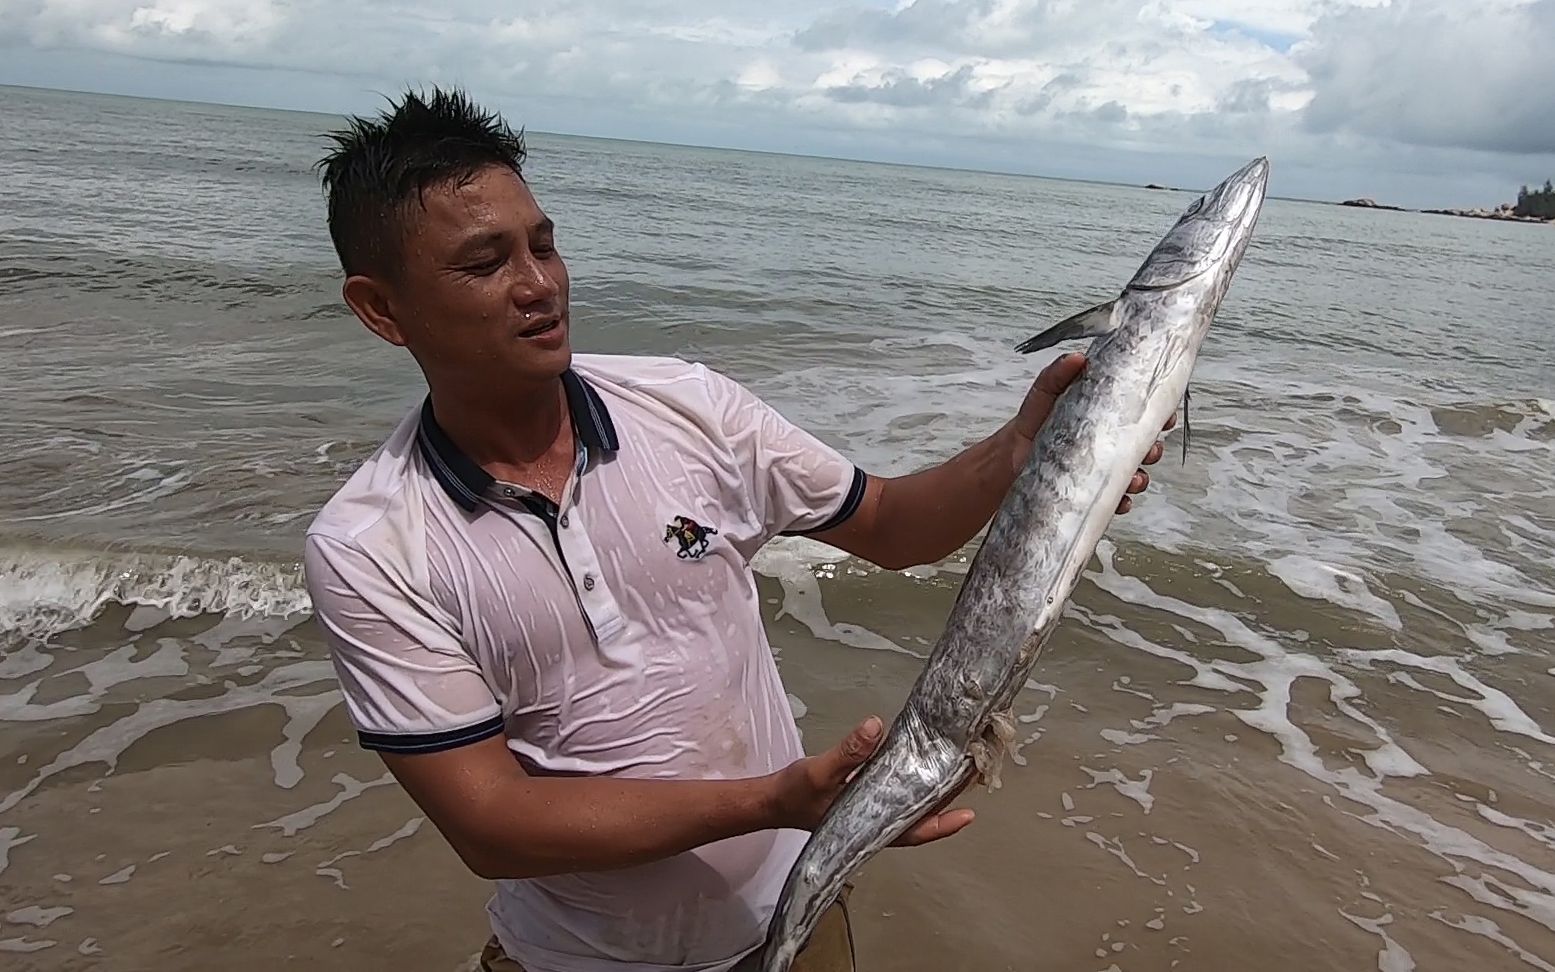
1090	323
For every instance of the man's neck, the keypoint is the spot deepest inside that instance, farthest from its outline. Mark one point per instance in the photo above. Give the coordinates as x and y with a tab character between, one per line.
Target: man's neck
524	429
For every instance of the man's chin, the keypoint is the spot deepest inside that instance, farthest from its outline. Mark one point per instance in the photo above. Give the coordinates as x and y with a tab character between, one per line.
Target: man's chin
550	363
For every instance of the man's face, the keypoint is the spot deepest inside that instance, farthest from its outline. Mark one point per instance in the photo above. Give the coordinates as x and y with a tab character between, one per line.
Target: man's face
482	292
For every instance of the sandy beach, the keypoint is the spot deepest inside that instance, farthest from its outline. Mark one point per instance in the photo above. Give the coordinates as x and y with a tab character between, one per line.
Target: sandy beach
1301	714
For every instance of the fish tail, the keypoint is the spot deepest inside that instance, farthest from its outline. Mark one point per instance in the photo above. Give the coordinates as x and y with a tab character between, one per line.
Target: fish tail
910	775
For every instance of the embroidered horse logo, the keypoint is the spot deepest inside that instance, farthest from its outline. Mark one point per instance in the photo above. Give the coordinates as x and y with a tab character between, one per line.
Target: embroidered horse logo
691	535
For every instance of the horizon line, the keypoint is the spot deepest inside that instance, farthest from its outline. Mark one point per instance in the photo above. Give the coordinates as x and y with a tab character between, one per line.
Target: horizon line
940	167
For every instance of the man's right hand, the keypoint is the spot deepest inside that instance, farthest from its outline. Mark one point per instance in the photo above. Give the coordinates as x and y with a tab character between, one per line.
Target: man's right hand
807	787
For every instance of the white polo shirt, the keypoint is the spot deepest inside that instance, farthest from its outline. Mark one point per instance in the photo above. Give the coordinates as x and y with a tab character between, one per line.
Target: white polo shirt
618	634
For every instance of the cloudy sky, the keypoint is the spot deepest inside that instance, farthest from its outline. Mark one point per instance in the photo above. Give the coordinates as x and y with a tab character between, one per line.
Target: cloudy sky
1415	102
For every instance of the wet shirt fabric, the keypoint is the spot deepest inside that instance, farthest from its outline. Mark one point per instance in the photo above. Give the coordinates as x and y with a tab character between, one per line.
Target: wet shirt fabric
617	633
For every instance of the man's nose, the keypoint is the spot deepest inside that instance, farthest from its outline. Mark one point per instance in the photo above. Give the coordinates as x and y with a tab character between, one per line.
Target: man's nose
532	284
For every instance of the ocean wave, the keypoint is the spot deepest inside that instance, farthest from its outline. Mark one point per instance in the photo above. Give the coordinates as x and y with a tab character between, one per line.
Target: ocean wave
48	592
44	593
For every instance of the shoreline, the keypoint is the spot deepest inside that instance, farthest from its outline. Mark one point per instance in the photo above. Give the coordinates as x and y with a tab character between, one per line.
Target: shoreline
1501	214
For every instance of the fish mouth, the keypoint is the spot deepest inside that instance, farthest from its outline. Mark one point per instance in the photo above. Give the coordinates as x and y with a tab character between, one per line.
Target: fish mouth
1246	187
1256	169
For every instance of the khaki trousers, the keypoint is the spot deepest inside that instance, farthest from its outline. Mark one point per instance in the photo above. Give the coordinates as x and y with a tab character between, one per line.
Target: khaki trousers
830	948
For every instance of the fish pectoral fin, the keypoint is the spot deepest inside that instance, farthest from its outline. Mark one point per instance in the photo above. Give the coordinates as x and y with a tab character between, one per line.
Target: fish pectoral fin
990	748
985	762
1087	324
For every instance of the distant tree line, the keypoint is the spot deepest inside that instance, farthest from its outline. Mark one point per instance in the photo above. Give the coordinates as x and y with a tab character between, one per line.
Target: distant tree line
1536	202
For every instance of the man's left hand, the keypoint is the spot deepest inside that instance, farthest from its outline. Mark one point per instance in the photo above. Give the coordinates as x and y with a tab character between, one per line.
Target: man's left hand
1034	411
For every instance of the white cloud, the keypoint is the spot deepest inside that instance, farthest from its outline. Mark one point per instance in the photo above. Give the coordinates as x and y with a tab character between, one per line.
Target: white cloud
1436	74
158	28
1111	88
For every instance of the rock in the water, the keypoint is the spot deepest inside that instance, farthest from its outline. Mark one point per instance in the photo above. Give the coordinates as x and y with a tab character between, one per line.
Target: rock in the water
1365	203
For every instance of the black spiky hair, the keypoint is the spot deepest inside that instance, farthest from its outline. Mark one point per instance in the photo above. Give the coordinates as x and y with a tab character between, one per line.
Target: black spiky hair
378	166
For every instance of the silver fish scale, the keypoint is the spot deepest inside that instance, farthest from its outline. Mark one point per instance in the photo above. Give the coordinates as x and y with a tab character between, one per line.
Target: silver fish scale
1040	539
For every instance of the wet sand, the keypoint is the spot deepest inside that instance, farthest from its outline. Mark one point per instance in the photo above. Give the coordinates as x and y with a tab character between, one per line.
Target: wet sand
1145	824
1147	834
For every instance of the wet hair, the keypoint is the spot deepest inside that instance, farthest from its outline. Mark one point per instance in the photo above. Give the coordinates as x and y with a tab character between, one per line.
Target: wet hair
379	167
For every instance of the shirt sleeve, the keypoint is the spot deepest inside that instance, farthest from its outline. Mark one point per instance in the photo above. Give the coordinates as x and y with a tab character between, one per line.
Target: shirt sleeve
797	483
408	683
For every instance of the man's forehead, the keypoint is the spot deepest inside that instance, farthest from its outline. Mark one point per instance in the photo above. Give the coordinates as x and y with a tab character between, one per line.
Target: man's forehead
493	195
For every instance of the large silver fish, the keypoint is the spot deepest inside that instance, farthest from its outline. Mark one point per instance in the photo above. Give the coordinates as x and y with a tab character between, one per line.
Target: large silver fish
957	719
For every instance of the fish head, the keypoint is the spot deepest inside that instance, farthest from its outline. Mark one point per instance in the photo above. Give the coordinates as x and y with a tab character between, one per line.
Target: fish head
1209	238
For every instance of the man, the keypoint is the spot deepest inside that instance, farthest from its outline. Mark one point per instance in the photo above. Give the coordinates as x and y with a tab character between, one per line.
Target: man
537	593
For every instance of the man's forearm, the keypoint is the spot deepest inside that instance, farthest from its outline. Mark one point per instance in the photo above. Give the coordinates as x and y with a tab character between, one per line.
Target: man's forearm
925	516
506	824
527	826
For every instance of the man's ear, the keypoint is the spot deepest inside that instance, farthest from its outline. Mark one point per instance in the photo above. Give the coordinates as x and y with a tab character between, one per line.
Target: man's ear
369	299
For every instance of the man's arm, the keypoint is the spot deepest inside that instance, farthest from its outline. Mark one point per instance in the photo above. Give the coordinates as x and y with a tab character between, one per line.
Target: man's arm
925	516
420	700
504	823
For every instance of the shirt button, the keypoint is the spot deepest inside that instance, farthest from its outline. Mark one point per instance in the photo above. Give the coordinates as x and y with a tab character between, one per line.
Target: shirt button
588	582
509	492
564	521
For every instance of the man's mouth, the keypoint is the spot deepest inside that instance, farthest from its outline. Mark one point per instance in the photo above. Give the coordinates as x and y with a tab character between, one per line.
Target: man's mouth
541	327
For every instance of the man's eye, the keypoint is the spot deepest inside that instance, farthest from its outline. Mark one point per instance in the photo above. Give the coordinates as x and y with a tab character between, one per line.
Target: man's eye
543	249
485	267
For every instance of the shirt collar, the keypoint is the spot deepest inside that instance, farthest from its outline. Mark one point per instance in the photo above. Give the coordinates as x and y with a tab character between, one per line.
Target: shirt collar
463	478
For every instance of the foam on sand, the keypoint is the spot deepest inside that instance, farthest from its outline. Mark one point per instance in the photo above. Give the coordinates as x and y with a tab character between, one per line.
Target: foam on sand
1270	679
1311	578
797	563
303	712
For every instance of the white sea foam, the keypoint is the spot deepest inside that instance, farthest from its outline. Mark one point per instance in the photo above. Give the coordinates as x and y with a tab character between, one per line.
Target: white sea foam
1485	928
42	594
38	916
1114	846
121	876
106	744
1314	579
102	674
1136	790
1543	833
793	562
327	868
797	707
1270	678
11	838
1499	708
300	820
1393	957
408	829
